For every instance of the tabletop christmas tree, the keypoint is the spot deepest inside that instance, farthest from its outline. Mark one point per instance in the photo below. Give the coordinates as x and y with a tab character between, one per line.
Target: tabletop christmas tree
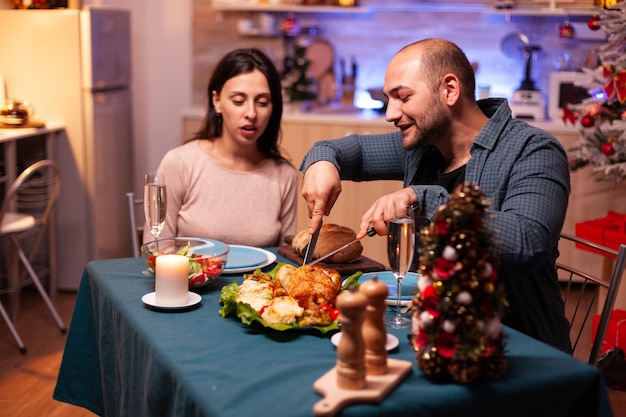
602	117
298	82
456	330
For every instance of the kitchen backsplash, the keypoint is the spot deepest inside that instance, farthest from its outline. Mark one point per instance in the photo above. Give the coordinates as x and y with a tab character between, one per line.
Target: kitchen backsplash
373	38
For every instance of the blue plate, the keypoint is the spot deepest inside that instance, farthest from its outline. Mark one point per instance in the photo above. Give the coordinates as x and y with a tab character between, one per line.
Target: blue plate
409	283
207	246
244	257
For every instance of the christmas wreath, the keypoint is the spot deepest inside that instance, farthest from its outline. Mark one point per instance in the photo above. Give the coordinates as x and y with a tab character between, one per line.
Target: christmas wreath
456	329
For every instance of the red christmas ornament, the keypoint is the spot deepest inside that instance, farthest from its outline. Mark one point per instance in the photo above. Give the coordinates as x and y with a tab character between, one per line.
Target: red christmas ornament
593	23
608	149
587	121
566	31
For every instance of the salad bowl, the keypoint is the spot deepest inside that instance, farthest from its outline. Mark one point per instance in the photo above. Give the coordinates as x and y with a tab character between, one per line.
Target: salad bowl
207	257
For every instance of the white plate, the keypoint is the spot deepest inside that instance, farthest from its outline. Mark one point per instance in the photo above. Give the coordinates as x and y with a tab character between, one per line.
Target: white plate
269	258
193	299
392	341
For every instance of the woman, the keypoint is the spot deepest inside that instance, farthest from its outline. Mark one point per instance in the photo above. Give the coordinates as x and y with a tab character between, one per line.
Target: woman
229	181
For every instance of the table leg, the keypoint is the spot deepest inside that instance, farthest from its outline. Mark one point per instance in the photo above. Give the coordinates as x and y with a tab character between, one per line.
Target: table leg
53	283
10	166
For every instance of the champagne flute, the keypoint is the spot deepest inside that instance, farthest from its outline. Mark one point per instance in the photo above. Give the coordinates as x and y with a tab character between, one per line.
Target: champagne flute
400	248
154	203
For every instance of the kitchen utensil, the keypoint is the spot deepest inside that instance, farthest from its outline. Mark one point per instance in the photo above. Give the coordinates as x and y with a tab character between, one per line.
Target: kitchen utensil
370	232
377	94
16	112
310	249
527	101
321	55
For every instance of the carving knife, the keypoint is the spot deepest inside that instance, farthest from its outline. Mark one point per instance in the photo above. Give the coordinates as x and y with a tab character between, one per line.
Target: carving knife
370	232
310	249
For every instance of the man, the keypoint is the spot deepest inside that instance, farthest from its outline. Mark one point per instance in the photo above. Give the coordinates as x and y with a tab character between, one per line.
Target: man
445	137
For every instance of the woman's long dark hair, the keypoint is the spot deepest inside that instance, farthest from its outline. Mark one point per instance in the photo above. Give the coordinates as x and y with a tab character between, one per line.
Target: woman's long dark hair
243	61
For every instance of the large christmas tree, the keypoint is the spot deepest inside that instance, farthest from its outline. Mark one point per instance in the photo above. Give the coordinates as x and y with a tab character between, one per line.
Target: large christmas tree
602	117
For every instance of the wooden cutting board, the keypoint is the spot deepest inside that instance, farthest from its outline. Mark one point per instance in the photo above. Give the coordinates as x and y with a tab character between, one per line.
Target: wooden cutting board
376	389
363	264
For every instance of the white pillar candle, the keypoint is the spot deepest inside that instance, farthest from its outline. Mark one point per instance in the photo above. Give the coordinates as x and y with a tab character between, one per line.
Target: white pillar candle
171	280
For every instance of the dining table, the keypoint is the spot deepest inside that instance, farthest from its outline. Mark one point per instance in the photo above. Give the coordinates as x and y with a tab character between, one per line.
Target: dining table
124	357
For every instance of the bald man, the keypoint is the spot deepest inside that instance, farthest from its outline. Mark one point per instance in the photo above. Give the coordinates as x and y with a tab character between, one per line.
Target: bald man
446	137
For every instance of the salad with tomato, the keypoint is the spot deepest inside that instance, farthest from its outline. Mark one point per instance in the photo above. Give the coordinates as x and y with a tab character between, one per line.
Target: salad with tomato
202	268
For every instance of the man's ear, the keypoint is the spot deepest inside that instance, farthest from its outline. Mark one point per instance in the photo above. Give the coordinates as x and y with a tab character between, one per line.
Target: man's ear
450	89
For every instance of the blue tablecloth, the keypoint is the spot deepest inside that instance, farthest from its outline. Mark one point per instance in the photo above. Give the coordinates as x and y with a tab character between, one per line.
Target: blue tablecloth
124	359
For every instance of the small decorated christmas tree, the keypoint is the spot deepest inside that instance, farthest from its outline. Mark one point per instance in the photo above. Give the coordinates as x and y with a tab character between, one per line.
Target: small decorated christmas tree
456	331
602	117
299	83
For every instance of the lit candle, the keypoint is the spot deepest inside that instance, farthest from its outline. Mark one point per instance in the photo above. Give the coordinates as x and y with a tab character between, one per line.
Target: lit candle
171	282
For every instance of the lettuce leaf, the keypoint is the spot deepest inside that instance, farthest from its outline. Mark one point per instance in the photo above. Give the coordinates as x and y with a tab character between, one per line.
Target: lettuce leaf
352	280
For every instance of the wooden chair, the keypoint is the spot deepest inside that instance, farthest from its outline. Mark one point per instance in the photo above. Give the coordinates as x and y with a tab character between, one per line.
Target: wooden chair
136	230
582	293
26	211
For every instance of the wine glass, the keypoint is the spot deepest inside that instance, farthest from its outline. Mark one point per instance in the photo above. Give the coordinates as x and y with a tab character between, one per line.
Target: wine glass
154	203
400	248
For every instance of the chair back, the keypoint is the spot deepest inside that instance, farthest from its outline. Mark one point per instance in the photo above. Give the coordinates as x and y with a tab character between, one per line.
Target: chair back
136	229
34	192
26	211
582	293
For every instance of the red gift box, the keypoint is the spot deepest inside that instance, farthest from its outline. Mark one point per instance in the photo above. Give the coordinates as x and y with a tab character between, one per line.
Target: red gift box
616	332
609	231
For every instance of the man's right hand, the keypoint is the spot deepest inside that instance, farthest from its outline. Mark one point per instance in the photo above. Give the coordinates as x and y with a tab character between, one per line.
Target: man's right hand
320	188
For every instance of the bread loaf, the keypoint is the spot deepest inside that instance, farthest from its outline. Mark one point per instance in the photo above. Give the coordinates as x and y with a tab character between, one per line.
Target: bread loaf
331	237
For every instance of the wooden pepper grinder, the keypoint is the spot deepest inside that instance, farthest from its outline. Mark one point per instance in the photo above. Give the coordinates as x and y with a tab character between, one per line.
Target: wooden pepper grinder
374	330
350	351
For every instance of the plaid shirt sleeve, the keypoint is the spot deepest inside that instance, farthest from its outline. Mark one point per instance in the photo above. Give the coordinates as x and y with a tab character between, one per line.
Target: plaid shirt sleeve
362	157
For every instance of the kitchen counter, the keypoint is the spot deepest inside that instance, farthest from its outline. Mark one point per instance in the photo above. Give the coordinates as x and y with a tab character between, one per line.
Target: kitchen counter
352	115
329	115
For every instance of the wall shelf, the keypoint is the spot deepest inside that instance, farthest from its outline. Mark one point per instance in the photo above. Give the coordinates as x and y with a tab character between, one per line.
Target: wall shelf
542	11
287	8
374	7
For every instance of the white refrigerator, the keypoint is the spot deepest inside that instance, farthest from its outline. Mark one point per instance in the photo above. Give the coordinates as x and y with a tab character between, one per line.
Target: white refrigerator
74	66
